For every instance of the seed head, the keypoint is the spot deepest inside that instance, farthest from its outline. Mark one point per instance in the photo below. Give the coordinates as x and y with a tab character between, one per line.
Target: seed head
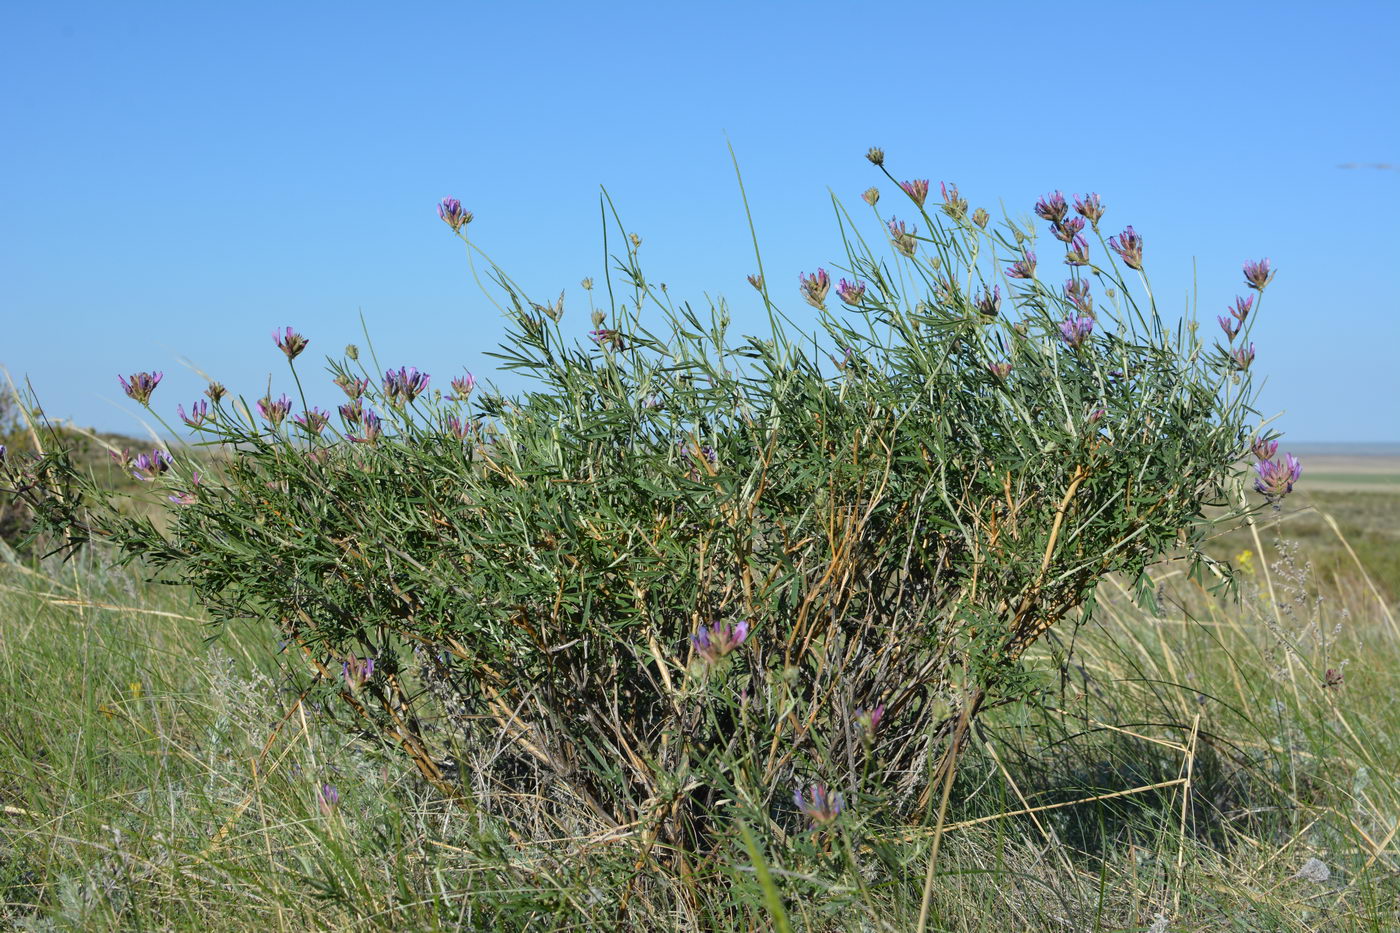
757	282
290	342
876	155
352	387
981	218
905	240
1128	245
141	385
871	196
586	284
815	287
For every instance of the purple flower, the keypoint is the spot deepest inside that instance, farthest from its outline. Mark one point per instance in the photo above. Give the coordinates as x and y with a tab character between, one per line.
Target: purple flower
352	411
953	205
1097	415
869	720
1264	448
1128	245
1076	330
905	239
352	387
403	385
988	303
313	420
822	809
450	210
357	671
460	428
999	370
1240	310
917	190
1023	268
141	386
190	496
1052	207
327	798
1258	274
1229	325
1276	477
1090	207
370	428
462	387
607	337
290	343
199	413
850	292
274	411
815	287
714	641
1078	252
147	467
1243	356
1066	230
1077	294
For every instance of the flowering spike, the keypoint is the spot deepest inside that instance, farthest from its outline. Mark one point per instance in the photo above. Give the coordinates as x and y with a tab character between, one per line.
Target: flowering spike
403	385
713	642
141	385
462	387
352	387
822	809
981	218
1076	330
757	282
369	427
1243	356
905	239
327	798
290	342
988	303
954	205
1078	252
815	287
1052	207
1275	478
1077	294
450	210
916	189
215	391
313	420
147	467
357	672
1023	268
274	411
199	413
1263	448
1090	208
1258	274
1229	325
1066	230
1128	245
1240	310
851	292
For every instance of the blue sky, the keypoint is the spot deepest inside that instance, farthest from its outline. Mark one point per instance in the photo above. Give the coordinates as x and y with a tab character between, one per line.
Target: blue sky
179	179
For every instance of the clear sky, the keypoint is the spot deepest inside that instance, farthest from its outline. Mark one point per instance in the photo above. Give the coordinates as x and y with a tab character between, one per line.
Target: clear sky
177	179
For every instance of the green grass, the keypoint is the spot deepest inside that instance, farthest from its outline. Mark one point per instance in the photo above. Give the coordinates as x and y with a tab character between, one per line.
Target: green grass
151	779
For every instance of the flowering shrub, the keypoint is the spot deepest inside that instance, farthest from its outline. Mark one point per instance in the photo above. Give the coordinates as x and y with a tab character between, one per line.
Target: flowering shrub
685	569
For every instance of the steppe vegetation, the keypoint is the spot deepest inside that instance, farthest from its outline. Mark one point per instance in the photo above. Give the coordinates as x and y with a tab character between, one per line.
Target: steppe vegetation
939	611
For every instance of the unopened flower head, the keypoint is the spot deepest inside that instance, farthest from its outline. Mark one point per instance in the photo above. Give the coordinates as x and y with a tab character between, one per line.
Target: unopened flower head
1275	478
1096	415
988	303
1077	294
198	413
1023	268
868	720
1052	207
357	671
1076	330
1128	245
289	342
876	155
1078	252
352	387
757	282
313	420
850	292
404	384
147	467
821	808
215	391
1264	448
1243	356
452	214
1066	230
369	428
999	370
871	195
981	218
714	641
1089	207
141	385
815	287
954	205
1258	274
916	189
274	411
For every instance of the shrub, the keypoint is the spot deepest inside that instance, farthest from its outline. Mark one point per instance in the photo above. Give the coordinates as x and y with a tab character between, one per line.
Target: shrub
684	572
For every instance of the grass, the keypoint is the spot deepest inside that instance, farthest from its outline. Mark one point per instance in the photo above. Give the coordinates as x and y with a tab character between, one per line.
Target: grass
1181	767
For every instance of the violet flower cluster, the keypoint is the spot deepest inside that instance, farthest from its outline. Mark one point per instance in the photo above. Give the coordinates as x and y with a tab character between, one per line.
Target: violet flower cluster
821	808
815	287
403	385
715	641
141	385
